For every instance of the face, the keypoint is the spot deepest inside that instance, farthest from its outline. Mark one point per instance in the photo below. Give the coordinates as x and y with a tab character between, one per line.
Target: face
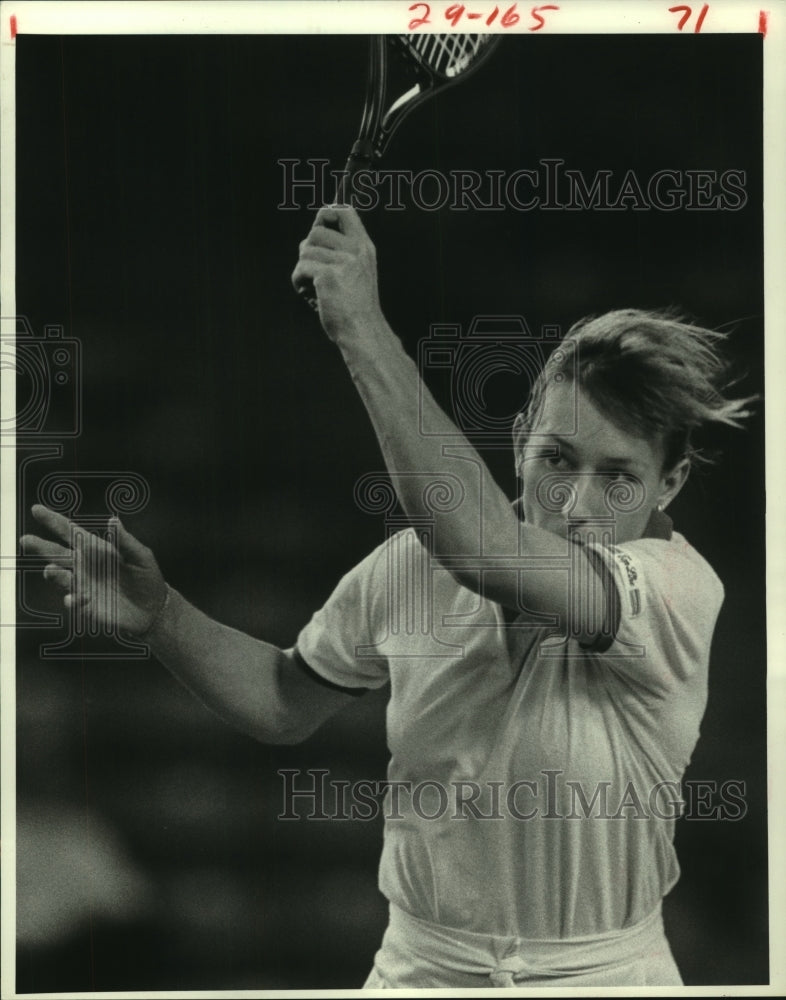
590	463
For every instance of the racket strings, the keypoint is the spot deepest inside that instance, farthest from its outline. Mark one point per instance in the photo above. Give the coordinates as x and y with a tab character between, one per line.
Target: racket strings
447	55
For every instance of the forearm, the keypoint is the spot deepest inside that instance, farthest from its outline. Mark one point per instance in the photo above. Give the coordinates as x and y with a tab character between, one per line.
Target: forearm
236	676
401	408
481	540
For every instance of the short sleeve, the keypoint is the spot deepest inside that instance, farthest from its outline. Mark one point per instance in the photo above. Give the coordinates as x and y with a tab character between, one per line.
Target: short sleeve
668	599
339	641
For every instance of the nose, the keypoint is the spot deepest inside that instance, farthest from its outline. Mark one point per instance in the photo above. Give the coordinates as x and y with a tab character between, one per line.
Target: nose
571	495
587	498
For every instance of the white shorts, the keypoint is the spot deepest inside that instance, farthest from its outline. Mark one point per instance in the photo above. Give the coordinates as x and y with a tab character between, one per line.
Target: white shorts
416	954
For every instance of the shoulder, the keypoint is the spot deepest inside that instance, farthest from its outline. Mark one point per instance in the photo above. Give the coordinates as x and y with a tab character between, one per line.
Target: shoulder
668	571
389	568
374	564
340	641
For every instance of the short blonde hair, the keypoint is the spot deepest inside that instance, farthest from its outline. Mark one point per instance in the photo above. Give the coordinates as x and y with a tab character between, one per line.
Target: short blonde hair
649	371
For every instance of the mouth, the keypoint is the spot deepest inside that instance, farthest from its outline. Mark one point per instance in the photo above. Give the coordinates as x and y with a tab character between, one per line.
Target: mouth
579	532
574	529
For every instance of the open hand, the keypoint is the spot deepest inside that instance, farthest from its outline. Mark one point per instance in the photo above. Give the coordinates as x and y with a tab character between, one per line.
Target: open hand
116	585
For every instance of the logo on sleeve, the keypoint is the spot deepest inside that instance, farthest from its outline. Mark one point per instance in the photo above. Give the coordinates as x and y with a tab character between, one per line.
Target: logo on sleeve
628	577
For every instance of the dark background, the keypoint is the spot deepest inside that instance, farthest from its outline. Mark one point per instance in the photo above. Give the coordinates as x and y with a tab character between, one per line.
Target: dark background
150	856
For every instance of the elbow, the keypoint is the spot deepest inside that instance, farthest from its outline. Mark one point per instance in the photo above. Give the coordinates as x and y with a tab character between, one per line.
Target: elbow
264	724
291	736
284	727
281	732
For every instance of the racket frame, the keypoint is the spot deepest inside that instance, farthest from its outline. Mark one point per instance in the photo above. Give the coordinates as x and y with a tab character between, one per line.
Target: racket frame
377	127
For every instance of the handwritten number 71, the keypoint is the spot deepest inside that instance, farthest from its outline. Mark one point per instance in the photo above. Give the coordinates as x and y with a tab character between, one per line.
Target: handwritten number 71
686	13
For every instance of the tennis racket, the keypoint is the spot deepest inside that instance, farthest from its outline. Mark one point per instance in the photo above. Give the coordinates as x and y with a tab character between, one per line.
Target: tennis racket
428	64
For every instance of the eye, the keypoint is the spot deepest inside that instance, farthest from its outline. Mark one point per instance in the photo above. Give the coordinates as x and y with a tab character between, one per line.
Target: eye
618	476
557	462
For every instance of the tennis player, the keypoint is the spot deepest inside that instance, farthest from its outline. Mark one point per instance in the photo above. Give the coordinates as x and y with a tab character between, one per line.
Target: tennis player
547	660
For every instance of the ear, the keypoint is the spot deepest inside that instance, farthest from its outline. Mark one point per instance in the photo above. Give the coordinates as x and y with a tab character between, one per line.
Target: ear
672	482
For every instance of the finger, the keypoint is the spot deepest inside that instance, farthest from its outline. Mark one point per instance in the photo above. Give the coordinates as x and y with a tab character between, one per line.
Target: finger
329	217
130	548
35	546
321	236
345	218
76	600
59	576
323	255
307	271
59	526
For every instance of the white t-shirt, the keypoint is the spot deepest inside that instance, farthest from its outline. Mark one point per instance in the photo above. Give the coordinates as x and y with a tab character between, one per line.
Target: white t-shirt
533	799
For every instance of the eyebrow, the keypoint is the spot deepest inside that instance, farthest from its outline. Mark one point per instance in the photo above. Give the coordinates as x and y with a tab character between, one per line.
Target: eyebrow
624	461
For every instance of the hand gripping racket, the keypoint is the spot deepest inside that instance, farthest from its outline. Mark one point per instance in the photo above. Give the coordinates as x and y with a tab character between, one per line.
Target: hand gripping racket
430	63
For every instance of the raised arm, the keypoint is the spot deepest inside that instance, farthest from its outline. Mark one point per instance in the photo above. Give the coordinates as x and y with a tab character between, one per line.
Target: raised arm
254	686
340	260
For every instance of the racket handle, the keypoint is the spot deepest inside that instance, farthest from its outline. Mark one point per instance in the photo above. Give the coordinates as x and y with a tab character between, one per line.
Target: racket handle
360	158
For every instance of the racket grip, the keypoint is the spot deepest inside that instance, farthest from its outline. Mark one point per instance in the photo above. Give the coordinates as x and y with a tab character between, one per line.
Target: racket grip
360	158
